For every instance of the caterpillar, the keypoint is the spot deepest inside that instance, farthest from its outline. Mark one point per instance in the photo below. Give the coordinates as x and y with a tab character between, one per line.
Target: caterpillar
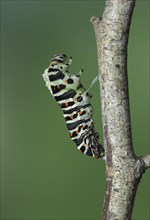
73	99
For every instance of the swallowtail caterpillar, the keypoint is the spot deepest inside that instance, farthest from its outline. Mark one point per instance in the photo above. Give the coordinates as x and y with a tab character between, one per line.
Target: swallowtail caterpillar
73	99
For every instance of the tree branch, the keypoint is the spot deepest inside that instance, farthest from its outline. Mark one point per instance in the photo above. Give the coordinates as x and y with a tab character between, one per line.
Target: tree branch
123	169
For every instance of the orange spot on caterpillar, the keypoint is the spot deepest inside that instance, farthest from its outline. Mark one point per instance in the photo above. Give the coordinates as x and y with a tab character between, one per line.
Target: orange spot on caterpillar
66	104
71	116
80	113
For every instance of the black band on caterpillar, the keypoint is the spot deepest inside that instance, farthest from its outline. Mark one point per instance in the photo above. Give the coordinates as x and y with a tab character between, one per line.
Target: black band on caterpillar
73	98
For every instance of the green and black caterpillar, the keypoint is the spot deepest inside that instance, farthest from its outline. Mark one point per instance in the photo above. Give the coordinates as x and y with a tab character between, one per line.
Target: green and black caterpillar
73	99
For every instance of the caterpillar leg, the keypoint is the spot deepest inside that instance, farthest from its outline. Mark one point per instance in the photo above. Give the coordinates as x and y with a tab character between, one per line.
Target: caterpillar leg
67	65
70	61
89	95
80	73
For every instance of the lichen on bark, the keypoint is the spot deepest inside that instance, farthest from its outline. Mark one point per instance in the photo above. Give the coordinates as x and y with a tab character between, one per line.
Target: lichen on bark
123	168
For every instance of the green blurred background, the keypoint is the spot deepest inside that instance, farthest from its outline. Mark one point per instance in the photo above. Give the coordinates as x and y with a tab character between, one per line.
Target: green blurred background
43	175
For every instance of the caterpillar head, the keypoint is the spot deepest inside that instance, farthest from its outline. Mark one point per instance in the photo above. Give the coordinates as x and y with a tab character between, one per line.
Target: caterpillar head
58	58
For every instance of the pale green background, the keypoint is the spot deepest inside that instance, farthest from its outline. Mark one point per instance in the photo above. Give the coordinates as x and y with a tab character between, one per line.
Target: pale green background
43	175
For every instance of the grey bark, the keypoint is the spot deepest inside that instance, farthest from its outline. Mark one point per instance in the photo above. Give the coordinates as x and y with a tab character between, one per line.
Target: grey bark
123	168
